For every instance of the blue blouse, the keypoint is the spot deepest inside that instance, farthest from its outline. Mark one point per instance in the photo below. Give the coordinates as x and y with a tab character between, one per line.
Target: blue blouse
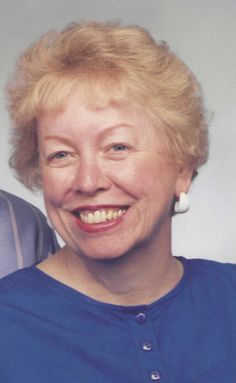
52	333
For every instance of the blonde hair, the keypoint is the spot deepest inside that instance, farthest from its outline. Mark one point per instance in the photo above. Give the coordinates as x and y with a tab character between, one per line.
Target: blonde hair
110	63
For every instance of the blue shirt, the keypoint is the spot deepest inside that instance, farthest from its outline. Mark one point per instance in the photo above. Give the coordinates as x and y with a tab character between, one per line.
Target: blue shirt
25	237
52	333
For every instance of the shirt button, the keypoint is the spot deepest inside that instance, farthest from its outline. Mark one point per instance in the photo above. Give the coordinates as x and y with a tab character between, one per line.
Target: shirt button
147	346
155	375
141	318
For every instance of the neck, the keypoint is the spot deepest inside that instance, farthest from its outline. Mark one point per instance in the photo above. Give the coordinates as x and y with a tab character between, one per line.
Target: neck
130	284
139	277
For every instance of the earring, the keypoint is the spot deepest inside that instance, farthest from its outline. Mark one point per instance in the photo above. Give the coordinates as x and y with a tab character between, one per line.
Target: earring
183	204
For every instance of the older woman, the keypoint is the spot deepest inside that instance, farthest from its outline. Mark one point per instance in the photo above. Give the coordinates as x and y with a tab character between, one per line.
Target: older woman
111	125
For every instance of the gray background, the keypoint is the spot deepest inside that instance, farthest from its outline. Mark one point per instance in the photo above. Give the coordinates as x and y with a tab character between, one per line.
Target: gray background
203	34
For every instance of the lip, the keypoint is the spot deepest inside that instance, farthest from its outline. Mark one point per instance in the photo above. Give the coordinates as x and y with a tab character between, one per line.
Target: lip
98	227
99	207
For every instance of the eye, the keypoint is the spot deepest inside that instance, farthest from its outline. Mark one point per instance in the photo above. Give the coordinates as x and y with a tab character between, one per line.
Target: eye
118	151
119	148
61	158
58	156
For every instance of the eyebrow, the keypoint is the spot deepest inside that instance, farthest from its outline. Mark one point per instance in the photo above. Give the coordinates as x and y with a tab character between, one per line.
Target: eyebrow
57	138
106	131
114	127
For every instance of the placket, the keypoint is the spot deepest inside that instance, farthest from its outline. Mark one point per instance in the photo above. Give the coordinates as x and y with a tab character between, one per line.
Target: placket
146	347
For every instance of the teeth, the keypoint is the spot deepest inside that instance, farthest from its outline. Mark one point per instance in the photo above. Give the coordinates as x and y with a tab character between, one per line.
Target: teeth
96	217
90	218
100	216
109	215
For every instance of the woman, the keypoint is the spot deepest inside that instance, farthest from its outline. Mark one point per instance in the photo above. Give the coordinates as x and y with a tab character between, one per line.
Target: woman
25	237
112	126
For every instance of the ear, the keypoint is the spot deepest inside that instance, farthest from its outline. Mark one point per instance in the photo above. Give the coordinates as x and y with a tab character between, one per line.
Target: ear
183	181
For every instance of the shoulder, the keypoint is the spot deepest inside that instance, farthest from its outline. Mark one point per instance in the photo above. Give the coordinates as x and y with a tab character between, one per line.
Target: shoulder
25	237
210	267
211	275
29	293
13	203
22	288
21	300
17	280
17	210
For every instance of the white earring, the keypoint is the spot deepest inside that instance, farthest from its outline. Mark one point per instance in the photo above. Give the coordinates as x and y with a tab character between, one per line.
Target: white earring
183	204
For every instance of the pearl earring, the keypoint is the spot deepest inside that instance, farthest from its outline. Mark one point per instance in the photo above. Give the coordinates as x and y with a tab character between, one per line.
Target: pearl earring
183	204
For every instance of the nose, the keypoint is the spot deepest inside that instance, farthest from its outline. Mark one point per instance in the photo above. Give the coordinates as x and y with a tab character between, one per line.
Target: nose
90	177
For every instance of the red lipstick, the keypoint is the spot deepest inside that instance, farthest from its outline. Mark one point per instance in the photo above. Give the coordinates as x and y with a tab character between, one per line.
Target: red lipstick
95	219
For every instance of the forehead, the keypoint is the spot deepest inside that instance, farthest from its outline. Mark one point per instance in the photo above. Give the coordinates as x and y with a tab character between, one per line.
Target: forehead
53	91
83	121
78	108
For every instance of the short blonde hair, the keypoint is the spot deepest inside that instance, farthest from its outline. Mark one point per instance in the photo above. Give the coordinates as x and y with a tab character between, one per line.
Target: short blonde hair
125	65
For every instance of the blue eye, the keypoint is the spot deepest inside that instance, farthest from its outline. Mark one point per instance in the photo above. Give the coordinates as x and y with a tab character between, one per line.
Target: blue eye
59	155
119	147
62	158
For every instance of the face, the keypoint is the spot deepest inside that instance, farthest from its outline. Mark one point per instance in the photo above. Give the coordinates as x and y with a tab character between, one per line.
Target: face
107	181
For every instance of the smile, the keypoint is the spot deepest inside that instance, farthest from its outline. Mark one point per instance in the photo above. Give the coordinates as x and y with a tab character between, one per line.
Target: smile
101	215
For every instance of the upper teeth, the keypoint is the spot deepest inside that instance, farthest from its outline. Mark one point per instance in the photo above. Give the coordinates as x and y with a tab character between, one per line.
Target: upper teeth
99	216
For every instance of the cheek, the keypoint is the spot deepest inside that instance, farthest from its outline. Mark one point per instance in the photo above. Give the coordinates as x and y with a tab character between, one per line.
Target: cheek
152	178
136	177
55	185
130	174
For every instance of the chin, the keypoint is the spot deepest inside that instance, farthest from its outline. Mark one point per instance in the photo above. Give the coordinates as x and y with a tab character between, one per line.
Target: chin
103	256
99	253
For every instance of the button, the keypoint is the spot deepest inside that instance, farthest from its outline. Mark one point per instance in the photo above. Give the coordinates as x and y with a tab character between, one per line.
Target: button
155	375
147	346
141	318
